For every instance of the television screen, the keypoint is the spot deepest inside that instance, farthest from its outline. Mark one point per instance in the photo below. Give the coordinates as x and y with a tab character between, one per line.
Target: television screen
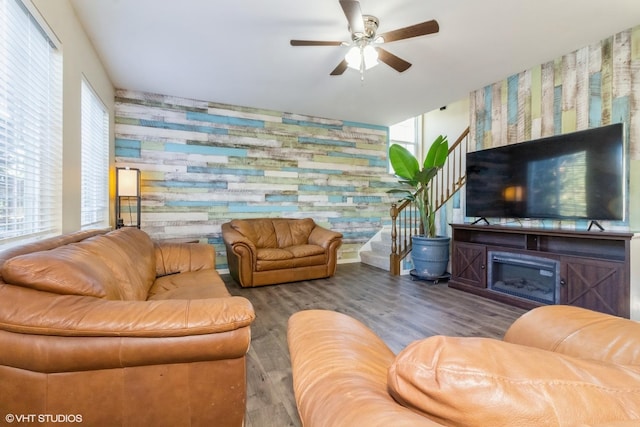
580	175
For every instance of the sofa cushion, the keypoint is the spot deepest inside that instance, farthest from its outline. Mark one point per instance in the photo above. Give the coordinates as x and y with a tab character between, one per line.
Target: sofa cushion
130	255
301	251
266	265
67	270
309	261
260	231
481	381
293	232
273	254
199	284
180	257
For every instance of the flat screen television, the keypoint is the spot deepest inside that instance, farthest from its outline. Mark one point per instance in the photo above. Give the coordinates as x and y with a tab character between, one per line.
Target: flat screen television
579	175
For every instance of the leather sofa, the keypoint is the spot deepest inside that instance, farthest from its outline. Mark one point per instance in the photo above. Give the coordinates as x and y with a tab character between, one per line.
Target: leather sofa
111	328
556	366
267	251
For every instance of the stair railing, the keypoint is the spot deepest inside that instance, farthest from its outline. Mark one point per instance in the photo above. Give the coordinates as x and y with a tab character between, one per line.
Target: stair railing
405	218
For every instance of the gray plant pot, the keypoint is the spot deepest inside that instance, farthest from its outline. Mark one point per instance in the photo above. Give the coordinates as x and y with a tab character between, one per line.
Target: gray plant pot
430	256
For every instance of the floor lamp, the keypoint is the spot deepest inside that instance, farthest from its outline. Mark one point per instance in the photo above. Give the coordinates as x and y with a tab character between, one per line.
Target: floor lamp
127	188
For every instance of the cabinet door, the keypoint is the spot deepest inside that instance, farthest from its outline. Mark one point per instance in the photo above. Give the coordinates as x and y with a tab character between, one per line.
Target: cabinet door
468	264
597	285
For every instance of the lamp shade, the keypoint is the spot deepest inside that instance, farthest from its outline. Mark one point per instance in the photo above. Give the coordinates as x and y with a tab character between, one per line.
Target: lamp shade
128	180
370	55
357	55
353	58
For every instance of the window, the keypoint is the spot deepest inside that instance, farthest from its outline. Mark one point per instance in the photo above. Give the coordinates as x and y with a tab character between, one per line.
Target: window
30	126
406	133
95	159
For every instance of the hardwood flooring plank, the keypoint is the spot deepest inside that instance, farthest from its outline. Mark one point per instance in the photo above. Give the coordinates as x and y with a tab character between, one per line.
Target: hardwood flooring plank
270	416
398	309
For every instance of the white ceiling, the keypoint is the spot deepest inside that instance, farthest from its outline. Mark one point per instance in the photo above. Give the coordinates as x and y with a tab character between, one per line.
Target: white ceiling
238	52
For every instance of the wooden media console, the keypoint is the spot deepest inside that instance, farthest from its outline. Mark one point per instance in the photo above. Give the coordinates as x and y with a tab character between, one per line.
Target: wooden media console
593	266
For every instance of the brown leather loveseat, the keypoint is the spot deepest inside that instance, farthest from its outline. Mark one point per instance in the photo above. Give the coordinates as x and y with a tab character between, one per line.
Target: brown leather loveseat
557	366
267	251
107	329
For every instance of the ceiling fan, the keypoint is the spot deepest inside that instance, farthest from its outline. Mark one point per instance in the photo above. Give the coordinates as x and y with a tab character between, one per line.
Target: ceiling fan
365	50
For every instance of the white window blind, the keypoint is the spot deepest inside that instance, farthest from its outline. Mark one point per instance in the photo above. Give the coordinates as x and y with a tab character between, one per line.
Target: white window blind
95	159
30	126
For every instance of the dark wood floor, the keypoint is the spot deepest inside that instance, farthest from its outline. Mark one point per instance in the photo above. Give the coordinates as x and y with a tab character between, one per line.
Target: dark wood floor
398	309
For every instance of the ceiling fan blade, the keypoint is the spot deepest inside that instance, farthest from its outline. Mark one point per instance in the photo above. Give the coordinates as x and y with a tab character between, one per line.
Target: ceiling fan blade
314	43
342	66
352	11
393	61
422	29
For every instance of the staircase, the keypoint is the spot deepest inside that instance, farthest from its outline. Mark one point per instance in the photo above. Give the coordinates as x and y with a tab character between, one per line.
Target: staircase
388	250
376	252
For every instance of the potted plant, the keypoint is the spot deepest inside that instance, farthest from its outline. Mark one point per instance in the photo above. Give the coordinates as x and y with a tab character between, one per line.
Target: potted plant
430	253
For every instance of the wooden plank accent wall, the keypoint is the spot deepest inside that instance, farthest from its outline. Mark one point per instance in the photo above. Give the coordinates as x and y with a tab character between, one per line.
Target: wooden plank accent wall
593	86
205	163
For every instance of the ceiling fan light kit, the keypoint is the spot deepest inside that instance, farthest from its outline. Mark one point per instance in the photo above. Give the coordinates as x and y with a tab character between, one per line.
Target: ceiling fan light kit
364	51
360	58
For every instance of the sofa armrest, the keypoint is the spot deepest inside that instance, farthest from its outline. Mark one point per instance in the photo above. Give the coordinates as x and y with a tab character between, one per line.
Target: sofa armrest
64	333
339	369
475	381
233	238
29	311
182	257
323	237
241	255
578	332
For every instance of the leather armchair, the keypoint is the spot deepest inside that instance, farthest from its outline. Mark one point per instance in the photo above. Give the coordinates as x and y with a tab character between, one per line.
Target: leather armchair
267	251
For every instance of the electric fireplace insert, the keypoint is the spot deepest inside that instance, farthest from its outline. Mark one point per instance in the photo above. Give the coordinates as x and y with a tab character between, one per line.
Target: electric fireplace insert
525	276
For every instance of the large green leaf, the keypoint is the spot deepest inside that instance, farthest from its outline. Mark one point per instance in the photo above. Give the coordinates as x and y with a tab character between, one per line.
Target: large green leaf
437	154
404	164
406	195
442	152
425	175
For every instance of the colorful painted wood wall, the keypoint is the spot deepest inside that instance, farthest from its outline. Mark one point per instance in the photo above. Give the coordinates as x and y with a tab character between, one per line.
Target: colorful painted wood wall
593	86
204	163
